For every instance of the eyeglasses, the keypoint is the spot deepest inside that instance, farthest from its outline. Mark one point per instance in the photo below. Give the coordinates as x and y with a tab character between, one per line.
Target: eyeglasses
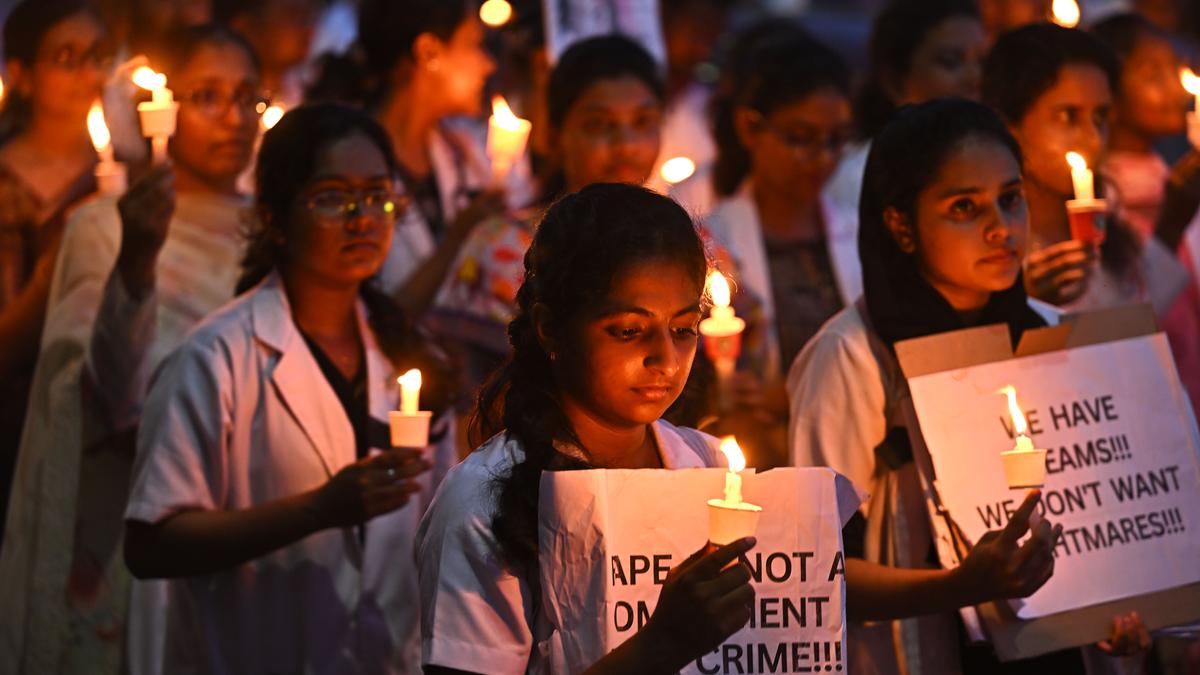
334	208
71	60
808	143
213	102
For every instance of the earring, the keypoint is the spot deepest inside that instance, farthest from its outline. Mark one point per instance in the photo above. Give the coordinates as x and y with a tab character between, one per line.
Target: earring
553	356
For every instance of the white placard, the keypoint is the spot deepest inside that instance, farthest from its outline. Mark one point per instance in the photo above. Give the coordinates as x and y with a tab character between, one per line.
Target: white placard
1122	474
608	539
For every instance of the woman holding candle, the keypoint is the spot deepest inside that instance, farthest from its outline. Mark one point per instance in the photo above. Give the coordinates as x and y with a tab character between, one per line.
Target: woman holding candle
423	69
56	59
944	225
265	486
1054	88
133	275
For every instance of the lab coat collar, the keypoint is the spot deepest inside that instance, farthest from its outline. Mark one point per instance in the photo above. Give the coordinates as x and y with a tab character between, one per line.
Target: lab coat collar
300	384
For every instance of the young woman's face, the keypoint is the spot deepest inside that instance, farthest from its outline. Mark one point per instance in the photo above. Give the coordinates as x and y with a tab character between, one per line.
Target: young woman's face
795	148
1152	101
1072	115
948	62
332	243
611	134
67	74
217	89
463	66
630	357
971	224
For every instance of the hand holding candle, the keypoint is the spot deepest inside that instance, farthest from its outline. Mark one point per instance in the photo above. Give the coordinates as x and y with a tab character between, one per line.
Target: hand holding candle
110	175
1024	465
158	114
507	135
731	518
410	425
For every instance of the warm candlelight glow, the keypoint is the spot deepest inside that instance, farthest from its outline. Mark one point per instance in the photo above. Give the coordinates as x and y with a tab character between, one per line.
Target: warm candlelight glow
410	392
1	90
147	79
1191	81
98	130
495	13
1024	465
271	116
1018	418
718	289
677	169
507	135
1065	13
1081	177
733	454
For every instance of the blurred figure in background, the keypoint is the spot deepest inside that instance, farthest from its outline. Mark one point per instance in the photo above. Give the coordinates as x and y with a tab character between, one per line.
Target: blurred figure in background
281	32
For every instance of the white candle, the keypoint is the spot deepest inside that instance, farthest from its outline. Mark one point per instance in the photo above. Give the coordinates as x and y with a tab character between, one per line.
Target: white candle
158	114
1081	176
733	477
507	135
410	392
721	321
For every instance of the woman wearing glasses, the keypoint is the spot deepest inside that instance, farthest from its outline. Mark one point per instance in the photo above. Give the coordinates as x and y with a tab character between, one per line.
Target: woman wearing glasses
264	485
134	274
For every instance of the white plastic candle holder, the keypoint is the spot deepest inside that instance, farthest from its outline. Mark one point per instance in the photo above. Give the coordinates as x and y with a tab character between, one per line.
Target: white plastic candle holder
1088	219
1193	119
111	178
409	430
728	523
1024	468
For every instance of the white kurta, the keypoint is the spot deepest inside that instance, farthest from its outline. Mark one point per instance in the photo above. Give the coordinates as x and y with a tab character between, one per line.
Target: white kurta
734	222
242	415
64	590
476	615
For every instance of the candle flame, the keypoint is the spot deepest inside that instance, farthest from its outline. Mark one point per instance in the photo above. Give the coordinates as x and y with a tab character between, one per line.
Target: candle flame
1076	161
733	454
495	13
271	116
1	89
1019	426
147	79
677	169
1190	80
503	115
718	289
410	380
1065	13
97	129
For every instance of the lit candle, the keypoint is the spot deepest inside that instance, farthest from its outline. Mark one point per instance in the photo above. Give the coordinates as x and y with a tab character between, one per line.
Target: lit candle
721	321
1065	13
110	175
495	13
677	169
1024	465
410	392
271	116
507	135
1081	176
731	518
1191	83
733	477
158	114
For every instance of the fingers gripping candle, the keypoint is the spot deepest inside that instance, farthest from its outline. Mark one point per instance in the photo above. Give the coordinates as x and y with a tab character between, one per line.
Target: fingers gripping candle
410	424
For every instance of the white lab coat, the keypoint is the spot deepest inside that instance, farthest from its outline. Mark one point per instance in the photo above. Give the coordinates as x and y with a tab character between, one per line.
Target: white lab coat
458	154
734	222
241	415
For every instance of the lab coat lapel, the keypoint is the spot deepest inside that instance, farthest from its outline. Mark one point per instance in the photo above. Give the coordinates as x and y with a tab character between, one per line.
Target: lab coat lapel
298	381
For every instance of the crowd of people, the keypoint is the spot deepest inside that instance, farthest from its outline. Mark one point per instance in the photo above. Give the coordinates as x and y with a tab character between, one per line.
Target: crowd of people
198	368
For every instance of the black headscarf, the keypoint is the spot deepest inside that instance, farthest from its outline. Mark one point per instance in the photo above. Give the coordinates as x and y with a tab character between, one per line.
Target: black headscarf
904	158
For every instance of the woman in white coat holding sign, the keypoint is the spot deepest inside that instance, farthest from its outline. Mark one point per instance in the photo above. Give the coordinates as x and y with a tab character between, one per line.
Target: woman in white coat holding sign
264	484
